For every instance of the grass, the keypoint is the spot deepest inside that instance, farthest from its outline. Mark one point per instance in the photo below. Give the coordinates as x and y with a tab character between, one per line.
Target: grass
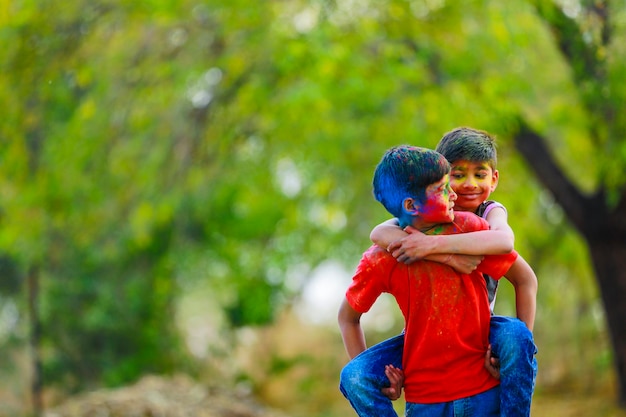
575	406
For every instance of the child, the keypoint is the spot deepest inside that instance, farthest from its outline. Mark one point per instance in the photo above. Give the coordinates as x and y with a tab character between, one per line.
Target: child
474	176
446	312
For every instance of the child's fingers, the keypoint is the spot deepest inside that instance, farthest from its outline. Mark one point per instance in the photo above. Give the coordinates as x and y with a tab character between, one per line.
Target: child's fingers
396	380
492	364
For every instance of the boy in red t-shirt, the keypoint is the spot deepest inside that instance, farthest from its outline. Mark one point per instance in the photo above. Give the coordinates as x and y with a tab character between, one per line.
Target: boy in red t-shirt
446	312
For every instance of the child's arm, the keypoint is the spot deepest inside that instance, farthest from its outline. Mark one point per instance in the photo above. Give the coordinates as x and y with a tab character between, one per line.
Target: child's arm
351	331
497	219
524	280
411	245
387	232
354	341
521	275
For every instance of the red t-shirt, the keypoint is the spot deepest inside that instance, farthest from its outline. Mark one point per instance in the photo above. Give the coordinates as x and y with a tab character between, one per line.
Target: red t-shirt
446	314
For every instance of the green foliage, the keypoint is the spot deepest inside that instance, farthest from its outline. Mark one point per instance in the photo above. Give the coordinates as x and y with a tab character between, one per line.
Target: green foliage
148	145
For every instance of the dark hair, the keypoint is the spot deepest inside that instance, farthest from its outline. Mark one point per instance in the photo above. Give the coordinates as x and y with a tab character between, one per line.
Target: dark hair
404	172
469	144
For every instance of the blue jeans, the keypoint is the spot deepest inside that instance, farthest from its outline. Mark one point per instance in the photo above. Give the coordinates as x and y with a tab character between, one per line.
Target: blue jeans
364	376
485	404
512	343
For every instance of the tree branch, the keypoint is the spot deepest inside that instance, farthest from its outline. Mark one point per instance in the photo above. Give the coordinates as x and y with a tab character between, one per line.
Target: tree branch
582	55
577	206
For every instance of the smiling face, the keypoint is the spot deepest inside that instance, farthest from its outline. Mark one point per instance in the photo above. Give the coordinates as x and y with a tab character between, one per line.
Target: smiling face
437	207
473	182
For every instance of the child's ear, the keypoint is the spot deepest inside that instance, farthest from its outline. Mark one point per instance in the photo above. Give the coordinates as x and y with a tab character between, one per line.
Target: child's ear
494	180
410	206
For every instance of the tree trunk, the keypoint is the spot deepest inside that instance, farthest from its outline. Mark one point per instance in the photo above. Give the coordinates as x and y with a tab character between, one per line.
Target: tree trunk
603	228
609	261
35	335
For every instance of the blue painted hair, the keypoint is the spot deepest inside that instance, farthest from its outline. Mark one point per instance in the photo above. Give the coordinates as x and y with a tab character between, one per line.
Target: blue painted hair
404	172
465	143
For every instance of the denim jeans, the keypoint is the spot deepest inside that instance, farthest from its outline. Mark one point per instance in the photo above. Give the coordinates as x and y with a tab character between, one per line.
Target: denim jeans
512	343
485	404
363	377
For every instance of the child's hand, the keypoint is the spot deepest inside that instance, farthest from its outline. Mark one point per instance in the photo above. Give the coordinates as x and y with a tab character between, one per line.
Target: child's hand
396	379
492	364
411	248
464	264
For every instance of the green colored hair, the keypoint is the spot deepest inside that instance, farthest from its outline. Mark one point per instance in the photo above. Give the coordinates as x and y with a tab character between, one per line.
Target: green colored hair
465	143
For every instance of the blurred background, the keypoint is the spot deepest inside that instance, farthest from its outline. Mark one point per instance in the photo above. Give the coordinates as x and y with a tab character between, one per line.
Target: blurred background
185	185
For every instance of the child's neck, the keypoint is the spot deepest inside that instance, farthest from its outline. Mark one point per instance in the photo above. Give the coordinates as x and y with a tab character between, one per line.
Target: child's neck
469	211
423	226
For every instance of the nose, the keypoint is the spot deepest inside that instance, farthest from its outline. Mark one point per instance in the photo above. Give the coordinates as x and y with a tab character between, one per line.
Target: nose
453	195
470	182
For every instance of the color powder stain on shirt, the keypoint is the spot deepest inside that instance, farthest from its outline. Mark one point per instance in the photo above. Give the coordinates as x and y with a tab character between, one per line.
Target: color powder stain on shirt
437	230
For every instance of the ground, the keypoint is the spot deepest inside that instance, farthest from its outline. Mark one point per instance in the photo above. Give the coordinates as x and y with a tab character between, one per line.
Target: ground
156	396
180	396
575	406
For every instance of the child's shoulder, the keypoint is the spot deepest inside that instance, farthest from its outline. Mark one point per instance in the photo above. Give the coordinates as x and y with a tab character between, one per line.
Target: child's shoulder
376	253
465	221
488	205
376	258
